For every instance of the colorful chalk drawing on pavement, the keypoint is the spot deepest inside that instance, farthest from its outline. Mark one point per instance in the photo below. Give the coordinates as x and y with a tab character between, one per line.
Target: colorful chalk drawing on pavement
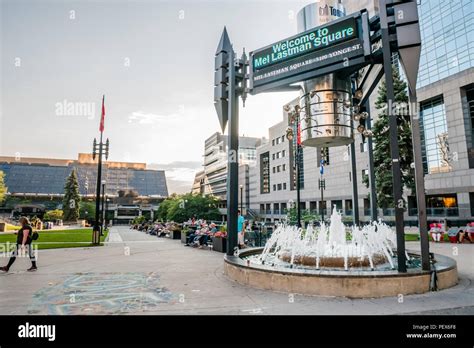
102	293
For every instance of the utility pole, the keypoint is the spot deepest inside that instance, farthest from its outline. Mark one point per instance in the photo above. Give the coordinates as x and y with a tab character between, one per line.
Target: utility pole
393	134
322	187
419	181
370	150
298	184
290	135
355	193
229	83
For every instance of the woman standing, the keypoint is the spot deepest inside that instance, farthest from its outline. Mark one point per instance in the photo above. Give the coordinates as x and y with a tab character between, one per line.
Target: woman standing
23	240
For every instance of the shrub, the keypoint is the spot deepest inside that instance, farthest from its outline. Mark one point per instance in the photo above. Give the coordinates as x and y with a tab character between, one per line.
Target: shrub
53	215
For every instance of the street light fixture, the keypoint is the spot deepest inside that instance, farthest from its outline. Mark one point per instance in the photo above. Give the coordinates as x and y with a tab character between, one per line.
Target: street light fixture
99	149
107	201
290	134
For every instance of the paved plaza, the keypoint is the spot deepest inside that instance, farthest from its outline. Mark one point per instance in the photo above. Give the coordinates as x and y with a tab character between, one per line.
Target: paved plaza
140	274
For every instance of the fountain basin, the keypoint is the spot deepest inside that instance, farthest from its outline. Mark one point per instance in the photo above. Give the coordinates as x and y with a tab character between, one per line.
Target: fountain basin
324	282
308	260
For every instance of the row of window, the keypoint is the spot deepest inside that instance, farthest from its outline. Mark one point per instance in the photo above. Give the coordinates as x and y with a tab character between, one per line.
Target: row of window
278	140
279	187
436	205
279	168
279	154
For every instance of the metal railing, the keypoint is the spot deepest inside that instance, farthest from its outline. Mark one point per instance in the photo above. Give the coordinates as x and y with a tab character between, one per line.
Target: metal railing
273	211
436	211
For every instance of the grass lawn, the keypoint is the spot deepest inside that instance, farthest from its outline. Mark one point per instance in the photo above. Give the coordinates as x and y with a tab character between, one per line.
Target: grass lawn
53	239
409	237
415	237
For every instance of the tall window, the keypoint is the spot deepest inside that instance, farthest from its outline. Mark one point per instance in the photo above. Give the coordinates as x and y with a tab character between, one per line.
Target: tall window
442	205
365	175
265	172
468	108
434	136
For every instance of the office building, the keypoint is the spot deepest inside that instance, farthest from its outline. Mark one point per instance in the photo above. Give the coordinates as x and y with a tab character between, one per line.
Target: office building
446	107
130	187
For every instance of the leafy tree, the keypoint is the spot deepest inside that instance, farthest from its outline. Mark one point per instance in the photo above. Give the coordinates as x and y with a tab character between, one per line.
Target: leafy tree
71	198
306	216
139	219
180	208
381	138
163	209
86	210
53	215
3	188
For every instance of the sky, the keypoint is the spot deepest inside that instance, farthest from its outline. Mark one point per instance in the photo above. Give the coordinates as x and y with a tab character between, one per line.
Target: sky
153	60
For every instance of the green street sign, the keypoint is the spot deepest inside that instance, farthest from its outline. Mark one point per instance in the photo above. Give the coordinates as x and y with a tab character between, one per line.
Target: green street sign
340	45
307	42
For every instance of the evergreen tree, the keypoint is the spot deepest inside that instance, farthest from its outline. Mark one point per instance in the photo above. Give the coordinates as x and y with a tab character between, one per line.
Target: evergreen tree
381	139
3	188
71	198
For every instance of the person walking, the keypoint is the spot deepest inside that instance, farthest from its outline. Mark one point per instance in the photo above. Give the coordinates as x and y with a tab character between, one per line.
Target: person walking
23	240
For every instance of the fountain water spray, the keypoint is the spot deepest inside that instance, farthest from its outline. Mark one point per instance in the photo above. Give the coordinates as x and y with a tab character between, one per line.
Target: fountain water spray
328	246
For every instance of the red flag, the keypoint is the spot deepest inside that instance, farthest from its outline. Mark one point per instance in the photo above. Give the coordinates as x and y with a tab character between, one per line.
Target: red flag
102	117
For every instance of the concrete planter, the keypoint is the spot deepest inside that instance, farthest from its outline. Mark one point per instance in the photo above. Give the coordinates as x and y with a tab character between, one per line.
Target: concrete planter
351	284
183	237
219	244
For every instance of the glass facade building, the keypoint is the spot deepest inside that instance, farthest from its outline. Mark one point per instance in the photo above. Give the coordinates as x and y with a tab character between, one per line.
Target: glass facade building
44	179
447	39
435	149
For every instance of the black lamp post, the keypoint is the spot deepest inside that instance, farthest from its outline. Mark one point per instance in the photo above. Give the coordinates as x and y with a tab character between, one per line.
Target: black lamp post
103	206
294	120
103	149
107	200
322	187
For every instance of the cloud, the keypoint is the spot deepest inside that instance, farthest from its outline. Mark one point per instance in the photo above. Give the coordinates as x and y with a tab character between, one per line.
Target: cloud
179	174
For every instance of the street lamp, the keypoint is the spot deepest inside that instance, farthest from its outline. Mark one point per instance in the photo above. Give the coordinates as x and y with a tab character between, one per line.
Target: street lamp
322	186
294	119
103	210
98	150
107	201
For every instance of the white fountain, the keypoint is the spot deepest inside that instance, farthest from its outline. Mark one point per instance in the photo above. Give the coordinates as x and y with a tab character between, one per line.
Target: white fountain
333	246
335	260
